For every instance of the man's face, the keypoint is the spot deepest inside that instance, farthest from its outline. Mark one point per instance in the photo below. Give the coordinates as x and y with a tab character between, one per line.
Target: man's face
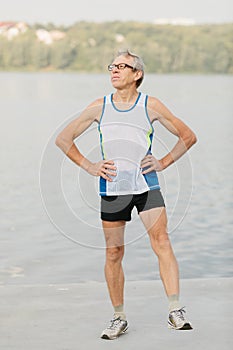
123	78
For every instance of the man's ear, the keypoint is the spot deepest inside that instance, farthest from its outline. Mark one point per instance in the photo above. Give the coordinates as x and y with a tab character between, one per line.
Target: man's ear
138	74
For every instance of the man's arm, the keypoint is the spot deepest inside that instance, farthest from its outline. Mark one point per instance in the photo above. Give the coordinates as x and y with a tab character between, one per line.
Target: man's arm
186	137
65	141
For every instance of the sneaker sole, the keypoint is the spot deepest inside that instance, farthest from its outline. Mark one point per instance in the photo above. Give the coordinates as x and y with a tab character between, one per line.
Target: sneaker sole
187	326
105	336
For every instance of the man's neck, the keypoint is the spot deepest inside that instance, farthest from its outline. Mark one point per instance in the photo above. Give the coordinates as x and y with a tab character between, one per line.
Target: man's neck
125	96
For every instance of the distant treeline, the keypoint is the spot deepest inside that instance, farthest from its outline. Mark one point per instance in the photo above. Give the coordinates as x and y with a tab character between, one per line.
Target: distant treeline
89	47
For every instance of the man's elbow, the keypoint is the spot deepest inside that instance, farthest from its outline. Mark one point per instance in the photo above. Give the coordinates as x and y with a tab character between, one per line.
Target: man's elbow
192	139
58	141
189	139
62	142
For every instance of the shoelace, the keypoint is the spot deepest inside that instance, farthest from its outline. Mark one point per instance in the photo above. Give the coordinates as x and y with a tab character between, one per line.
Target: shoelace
179	314
114	323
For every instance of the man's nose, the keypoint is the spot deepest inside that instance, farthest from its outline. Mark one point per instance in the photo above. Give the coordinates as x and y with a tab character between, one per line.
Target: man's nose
115	68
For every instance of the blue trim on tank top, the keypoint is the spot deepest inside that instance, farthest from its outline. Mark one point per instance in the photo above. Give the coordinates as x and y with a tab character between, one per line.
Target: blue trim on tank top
148	114
152	180
100	133
102	181
125	110
102	187
103	109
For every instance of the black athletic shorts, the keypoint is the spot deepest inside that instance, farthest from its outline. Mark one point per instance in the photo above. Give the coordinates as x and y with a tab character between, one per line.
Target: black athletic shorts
117	208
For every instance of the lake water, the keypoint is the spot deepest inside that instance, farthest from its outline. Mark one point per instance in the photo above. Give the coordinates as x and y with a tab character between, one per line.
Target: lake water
50	226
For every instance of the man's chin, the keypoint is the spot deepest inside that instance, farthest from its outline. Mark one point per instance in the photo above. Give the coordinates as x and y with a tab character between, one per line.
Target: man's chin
115	83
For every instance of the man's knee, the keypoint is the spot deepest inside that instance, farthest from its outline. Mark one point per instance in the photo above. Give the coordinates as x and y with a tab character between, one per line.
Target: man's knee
115	254
161	243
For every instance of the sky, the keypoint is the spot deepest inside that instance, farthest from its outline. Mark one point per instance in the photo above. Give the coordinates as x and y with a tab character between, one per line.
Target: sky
70	11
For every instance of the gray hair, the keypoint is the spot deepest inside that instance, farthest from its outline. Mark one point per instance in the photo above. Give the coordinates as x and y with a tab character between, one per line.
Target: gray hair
137	65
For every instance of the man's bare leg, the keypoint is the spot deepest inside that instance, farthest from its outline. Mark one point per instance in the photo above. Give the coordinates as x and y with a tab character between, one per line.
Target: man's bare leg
114	236
155	222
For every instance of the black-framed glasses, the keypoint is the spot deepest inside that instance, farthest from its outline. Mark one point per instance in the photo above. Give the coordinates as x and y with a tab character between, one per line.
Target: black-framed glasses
119	66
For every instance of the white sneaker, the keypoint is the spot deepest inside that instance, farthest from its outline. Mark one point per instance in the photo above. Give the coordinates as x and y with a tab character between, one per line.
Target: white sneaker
177	320
116	327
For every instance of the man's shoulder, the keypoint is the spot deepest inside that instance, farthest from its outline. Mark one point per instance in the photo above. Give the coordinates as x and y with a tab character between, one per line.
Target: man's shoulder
97	103
94	110
154	107
152	102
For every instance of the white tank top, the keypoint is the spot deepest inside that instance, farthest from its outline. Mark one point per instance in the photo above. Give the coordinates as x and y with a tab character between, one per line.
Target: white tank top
126	137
